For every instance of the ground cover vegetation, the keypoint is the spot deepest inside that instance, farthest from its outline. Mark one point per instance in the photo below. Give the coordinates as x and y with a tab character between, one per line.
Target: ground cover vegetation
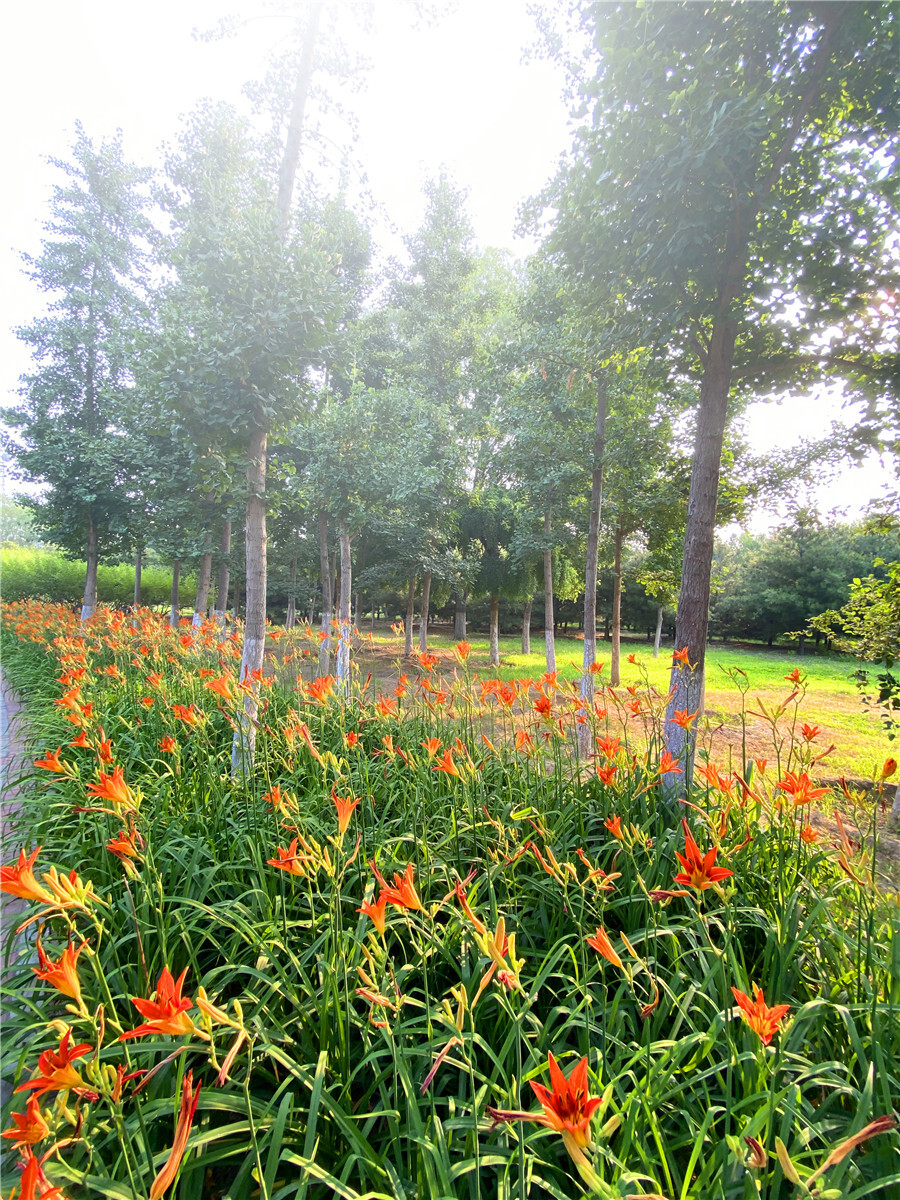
488	931
419	948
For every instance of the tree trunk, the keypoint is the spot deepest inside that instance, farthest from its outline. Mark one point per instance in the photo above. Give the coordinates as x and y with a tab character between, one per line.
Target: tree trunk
343	650
290	617
174	602
236	603
549	620
526	627
224	580
693	603
138	565
291	155
89	601
327	595
659	624
590	571
202	597
410	616
616	650
244	742
495	630
423	623
459	617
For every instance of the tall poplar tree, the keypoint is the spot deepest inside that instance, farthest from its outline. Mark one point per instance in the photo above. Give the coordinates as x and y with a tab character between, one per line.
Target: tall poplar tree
74	402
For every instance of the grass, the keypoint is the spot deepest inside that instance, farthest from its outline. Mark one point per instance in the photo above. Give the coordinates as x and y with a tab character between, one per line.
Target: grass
341	1059
831	699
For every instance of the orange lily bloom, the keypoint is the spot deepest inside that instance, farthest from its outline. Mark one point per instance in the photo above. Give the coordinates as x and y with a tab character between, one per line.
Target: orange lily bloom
669	765
289	860
20	881
187	713
385	706
523	740
601	943
81	742
168	745
62	974
810	732
567	1108
699	871
462	650
762	1020
681	656
222	686
345	806
607	774
377	912
56	1071
114	788
189	1097
608	746
351	738
682	717
29	1127
403	894
447	765
431	746
809	835
51	762
125	846
614	825
34	1184
800	787
167	1013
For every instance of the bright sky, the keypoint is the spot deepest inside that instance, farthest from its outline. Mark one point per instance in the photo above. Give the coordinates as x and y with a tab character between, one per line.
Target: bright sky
456	96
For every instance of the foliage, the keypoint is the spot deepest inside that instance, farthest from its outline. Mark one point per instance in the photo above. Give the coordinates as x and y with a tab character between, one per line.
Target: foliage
42	572
336	1059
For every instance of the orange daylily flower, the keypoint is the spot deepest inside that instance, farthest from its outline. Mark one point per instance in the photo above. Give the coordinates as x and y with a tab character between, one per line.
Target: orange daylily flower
125	847
682	717
351	738
167	1013
699	871
114	788
56	1071
62	974
567	1108
681	656
289	860
345	806
189	1097
168	745
376	911
462	650
601	943
810	732
385	706
523	740
794	676
614	825
608	746
223	686
403	894
809	835
51	762
81	742
607	774
669	765
447	765
431	746
29	1127
762	1020
187	713
20	881
800	788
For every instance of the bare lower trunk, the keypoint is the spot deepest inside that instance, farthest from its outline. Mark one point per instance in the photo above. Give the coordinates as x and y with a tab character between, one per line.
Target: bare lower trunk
459	617
290	618
692	617
526	627
222	592
174	601
615	658
236	603
549	620
659	624
244	743
202	598
495	630
138	564
590	570
423	623
89	601
343	650
327	596
410	616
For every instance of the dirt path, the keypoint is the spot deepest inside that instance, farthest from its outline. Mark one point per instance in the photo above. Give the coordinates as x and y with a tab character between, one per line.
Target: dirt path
12	758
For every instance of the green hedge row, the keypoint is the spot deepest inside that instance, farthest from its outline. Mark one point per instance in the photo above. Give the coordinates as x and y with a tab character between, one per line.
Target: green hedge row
26	572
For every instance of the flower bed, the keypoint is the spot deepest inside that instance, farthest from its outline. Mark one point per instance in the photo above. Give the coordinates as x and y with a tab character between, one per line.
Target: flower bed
419	950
